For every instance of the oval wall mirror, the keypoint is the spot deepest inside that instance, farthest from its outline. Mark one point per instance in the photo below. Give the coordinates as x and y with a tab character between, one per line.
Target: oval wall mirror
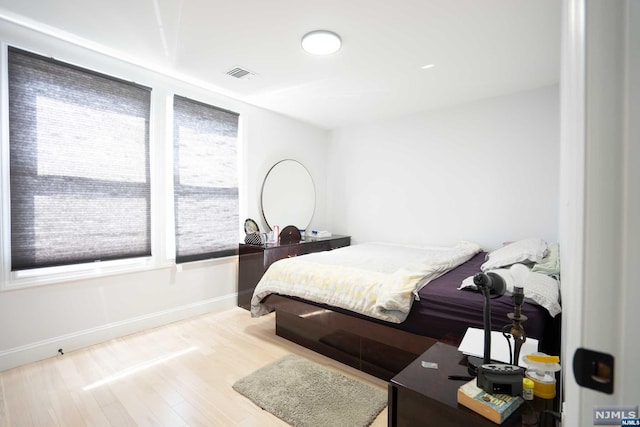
288	195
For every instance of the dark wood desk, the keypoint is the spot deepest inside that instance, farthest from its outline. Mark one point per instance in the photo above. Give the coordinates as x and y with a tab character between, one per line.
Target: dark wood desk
421	396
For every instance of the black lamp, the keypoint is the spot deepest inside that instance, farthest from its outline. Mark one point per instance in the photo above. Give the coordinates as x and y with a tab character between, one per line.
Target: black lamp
492	286
495	377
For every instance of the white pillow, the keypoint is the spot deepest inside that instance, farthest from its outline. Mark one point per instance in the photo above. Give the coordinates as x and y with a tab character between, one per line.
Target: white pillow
542	289
526	250
550	265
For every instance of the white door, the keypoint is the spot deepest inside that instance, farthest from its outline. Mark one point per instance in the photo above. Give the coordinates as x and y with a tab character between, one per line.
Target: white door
600	200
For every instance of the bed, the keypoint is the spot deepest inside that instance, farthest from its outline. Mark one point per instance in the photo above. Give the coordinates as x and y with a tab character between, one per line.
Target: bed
438	311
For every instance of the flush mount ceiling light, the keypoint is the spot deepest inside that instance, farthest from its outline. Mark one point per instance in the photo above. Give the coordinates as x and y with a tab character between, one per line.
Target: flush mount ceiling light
321	42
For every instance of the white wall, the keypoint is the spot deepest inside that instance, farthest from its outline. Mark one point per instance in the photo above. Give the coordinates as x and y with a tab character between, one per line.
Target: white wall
273	138
485	172
37	321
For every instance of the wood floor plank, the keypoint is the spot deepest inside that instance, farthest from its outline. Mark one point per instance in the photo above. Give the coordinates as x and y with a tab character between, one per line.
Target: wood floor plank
15	394
177	375
89	409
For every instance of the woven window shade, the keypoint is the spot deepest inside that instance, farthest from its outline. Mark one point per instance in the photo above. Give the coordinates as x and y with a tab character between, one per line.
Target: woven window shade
205	181
79	164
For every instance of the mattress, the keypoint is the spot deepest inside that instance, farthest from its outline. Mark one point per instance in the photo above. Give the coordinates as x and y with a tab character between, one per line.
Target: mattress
374	279
444	313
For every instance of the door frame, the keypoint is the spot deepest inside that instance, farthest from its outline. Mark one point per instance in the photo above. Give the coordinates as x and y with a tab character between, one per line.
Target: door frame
599	196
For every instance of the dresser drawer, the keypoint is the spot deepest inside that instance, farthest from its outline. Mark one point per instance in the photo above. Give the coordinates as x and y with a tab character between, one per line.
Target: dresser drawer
274	254
339	242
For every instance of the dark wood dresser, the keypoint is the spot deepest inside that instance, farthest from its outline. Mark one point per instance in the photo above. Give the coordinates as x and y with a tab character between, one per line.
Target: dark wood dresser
255	259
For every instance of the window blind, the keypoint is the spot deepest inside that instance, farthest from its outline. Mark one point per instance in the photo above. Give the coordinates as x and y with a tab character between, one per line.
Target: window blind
205	180
79	164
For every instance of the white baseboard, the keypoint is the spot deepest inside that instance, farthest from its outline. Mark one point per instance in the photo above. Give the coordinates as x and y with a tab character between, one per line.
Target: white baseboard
44	349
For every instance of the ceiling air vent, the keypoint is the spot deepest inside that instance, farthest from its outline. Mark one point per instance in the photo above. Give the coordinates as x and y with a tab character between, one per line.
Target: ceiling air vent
240	73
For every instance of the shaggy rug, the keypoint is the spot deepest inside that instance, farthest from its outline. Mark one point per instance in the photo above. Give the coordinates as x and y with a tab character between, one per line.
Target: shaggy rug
305	394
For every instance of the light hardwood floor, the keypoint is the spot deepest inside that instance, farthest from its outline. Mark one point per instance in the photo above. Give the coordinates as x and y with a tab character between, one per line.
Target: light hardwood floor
176	375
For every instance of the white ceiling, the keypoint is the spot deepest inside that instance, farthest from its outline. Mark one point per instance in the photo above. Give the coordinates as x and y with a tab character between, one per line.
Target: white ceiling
480	48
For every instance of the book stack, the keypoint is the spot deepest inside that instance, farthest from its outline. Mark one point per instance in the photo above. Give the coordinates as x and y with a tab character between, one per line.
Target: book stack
495	407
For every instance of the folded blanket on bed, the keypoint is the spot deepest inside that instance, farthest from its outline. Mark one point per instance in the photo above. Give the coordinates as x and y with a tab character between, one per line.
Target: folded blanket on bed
375	279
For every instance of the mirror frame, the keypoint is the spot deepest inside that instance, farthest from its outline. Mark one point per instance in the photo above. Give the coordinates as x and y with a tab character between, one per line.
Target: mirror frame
287	193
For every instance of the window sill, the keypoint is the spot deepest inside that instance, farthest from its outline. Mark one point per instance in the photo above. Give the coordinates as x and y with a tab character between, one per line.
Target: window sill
53	275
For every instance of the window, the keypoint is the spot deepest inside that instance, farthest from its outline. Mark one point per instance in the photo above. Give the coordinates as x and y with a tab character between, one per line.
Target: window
205	180
79	164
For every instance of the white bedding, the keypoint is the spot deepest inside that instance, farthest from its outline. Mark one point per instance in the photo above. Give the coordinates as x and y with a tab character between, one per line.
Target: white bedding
374	279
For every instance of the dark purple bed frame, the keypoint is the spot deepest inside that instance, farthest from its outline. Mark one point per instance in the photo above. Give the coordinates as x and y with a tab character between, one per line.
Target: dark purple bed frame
382	349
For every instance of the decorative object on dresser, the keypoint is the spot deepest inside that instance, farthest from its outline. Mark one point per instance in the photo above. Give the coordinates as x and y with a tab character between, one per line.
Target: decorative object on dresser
255	259
252	232
253	239
250	226
290	234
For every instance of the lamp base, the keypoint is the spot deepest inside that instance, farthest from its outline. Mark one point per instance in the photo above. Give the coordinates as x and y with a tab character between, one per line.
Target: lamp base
501	378
473	363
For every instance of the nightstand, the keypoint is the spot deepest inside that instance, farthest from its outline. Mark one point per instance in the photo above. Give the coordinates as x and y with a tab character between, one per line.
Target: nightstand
421	396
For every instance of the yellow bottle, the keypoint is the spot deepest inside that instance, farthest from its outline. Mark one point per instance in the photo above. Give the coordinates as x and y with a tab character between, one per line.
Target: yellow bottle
542	369
527	388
